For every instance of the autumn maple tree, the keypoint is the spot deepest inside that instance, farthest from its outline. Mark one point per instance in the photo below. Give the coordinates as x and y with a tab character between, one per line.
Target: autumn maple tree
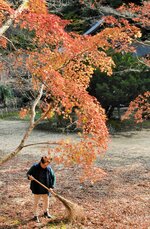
61	65
124	16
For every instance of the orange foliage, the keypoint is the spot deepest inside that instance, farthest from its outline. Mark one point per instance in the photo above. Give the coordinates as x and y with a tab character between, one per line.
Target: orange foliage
23	113
137	13
139	108
141	13
38	7
64	63
3	42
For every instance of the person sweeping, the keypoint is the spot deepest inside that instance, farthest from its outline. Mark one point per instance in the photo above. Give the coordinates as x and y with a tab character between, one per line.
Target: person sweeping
42	172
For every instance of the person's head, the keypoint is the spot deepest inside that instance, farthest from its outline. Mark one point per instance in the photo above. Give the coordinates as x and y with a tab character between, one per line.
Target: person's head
45	161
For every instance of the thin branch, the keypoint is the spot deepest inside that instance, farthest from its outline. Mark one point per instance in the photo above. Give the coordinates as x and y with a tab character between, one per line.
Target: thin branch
42	117
70	125
10	42
35	104
42	143
8	23
143	62
9	64
129	70
107	10
145	43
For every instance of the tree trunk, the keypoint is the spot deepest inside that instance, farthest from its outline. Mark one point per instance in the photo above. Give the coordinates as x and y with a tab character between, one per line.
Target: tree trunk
30	128
119	115
110	112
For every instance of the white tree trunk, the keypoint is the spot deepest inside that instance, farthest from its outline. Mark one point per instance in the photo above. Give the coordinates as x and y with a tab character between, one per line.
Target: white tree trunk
30	128
8	23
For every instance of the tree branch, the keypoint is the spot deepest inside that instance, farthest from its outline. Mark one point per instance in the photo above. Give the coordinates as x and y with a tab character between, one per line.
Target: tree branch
130	70
107	10
143	62
10	42
42	143
35	104
8	23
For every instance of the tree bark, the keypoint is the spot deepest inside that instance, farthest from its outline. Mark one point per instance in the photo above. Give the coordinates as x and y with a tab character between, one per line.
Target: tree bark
110	112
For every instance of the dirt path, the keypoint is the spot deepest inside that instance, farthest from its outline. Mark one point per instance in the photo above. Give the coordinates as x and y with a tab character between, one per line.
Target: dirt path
120	201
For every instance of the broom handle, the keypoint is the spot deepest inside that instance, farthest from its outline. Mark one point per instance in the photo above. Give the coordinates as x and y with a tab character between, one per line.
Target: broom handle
50	190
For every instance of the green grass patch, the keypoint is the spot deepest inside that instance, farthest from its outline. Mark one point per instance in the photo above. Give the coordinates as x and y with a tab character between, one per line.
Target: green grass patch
126	125
14	115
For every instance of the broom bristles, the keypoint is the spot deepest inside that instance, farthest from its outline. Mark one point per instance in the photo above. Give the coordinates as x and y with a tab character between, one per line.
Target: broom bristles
75	212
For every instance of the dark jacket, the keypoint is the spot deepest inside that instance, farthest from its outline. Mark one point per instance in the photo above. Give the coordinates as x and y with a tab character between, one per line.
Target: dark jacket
45	176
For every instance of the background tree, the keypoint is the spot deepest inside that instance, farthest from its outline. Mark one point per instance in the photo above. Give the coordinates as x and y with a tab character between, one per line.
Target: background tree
133	13
129	79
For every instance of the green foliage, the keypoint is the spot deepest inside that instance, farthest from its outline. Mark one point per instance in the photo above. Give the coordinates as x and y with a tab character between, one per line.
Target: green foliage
77	10
129	79
79	26
10	115
115	126
73	11
6	93
79	16
14	115
15	3
21	38
117	3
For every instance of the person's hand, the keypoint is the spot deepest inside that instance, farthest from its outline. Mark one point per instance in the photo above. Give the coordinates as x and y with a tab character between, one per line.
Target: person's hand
51	191
30	177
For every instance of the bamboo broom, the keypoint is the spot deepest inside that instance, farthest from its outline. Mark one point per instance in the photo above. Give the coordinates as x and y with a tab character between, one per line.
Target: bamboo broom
75	212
